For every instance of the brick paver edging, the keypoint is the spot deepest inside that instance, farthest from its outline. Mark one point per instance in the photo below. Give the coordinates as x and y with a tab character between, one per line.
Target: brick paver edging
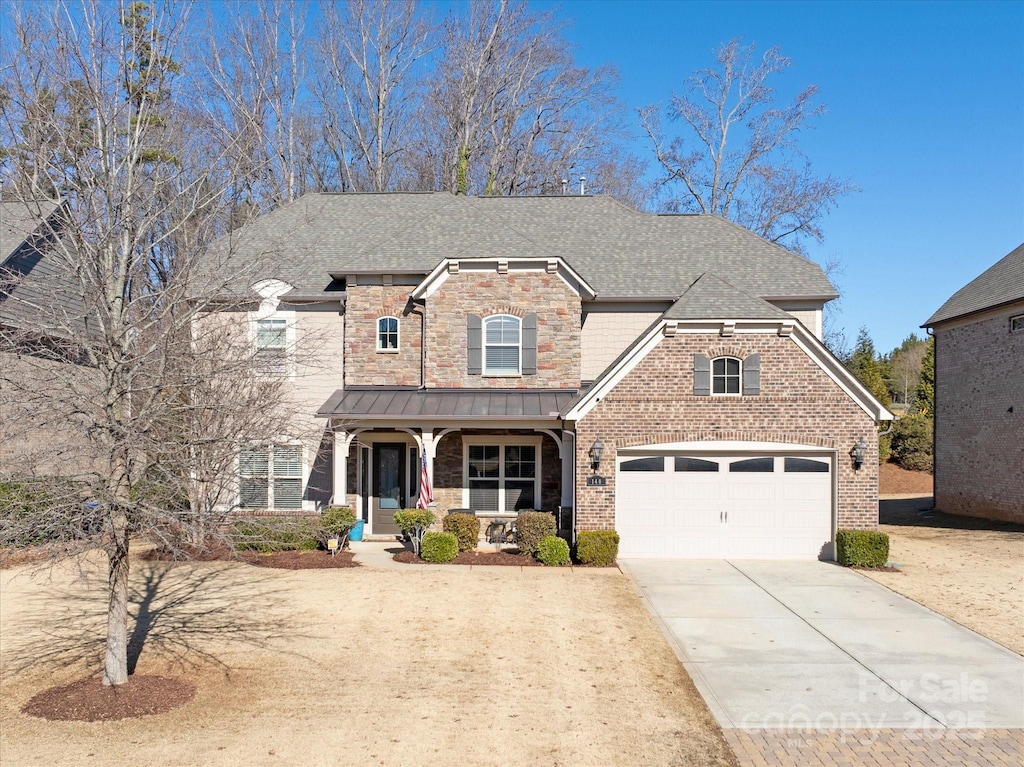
850	748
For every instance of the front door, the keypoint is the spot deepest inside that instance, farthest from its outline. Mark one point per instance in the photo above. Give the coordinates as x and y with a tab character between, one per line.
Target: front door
389	485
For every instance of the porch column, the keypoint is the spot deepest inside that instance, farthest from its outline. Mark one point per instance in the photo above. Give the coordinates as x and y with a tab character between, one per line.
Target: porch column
341	443
567	452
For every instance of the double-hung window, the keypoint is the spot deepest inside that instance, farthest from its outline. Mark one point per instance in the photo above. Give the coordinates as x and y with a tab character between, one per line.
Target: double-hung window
270	477
503	477
387	334
272	346
502	339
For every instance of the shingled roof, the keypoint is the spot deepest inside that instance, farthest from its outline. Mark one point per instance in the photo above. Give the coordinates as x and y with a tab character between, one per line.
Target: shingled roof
621	252
1001	284
711	298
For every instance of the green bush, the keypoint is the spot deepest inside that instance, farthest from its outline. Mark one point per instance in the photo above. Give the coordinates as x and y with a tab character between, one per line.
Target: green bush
553	551
414	523
466	528
912	442
440	547
276	534
884	448
862	548
531	527
336	522
597	547
37	511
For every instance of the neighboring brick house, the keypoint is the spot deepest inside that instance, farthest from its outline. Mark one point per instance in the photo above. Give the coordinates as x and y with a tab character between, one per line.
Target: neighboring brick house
979	395
499	341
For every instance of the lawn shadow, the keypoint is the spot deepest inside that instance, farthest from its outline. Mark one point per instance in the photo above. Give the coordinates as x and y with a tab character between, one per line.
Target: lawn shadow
919	512
185	615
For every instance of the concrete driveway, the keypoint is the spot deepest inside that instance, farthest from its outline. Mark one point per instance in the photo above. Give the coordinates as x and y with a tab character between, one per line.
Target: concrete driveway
783	645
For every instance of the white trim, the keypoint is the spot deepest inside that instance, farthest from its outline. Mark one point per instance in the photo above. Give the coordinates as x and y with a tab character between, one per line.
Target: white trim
449	266
803	338
725	376
725	446
502	440
398	335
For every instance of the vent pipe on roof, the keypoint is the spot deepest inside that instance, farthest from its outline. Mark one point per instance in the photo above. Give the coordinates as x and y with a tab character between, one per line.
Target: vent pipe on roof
583	185
565	185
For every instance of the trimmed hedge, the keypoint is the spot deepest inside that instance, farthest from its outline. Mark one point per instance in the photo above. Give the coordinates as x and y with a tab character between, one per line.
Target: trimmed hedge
276	534
553	551
439	547
597	547
531	528
862	548
465	527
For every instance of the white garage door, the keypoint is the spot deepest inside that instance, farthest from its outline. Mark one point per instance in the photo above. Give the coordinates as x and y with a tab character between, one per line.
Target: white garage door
724	506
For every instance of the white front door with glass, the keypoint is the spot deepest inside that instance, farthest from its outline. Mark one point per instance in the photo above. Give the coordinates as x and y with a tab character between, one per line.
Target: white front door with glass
502	477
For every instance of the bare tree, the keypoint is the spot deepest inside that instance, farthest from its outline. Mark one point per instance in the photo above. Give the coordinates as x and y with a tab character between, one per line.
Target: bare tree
108	349
738	157
369	51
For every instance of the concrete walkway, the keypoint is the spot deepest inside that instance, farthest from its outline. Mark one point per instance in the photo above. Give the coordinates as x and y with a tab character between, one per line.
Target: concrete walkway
782	651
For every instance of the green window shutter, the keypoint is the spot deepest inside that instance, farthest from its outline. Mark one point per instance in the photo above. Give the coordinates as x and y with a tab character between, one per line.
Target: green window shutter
474	345
701	375
530	344
752	375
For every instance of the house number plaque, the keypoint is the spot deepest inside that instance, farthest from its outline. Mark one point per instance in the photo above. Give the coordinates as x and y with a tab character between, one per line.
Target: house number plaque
597	481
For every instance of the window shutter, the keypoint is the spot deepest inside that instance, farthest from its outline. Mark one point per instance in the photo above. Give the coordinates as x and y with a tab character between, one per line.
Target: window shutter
474	345
530	344
752	375
701	375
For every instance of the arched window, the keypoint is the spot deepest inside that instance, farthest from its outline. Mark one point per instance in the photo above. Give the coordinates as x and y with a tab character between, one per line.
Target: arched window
387	334
502	345
725	375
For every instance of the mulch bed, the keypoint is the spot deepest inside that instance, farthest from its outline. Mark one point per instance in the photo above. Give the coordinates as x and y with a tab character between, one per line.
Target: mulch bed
895	480
90	701
507	558
301	560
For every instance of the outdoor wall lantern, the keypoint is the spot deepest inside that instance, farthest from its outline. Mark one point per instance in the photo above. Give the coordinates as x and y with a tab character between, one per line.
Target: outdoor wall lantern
859	452
596	450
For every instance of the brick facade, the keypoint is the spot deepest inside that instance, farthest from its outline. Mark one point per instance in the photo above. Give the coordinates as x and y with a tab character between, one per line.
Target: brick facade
979	419
518	293
798	404
364	365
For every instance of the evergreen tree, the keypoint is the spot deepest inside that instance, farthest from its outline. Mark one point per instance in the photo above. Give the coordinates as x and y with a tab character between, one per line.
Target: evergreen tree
864	364
925	394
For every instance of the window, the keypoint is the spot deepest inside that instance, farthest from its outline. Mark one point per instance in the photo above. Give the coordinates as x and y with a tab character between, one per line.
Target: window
805	465
503	477
270	477
695	464
643	464
501	345
1017	324
272	346
753	465
725	375
387	334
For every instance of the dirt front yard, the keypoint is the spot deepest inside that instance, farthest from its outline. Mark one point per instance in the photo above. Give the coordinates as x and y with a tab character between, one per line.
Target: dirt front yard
360	666
970	570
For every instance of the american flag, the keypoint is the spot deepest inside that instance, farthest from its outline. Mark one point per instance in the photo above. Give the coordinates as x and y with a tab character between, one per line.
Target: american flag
426	494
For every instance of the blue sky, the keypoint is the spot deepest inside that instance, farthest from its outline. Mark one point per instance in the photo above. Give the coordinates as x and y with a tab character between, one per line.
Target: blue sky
925	114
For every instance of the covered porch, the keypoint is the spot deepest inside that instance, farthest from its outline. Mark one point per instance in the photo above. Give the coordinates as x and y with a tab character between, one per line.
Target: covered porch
495	452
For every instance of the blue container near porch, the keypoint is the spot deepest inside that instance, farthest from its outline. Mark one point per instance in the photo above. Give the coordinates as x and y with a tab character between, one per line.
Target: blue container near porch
357	531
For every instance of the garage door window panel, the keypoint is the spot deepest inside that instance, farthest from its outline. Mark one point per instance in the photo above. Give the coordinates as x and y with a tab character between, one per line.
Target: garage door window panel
753	465
694	464
805	466
643	464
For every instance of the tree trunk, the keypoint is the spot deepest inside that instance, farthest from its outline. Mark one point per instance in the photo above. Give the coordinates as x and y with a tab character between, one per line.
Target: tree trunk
115	660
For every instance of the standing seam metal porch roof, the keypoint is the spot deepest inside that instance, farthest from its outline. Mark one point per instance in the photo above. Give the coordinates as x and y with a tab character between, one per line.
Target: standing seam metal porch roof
402	404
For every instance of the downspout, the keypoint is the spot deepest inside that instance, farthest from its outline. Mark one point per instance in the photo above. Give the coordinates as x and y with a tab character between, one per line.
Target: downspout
935	420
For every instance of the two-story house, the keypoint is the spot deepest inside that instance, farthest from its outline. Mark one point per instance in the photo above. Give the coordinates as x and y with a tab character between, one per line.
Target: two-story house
660	375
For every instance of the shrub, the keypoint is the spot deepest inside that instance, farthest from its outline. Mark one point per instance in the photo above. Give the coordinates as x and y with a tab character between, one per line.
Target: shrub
597	547
466	528
884	448
336	522
862	548
440	547
911	440
553	551
276	534
531	527
414	523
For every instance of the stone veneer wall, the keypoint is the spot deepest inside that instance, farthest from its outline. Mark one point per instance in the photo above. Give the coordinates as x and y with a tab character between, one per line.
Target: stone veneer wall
798	404
364	365
517	293
979	443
